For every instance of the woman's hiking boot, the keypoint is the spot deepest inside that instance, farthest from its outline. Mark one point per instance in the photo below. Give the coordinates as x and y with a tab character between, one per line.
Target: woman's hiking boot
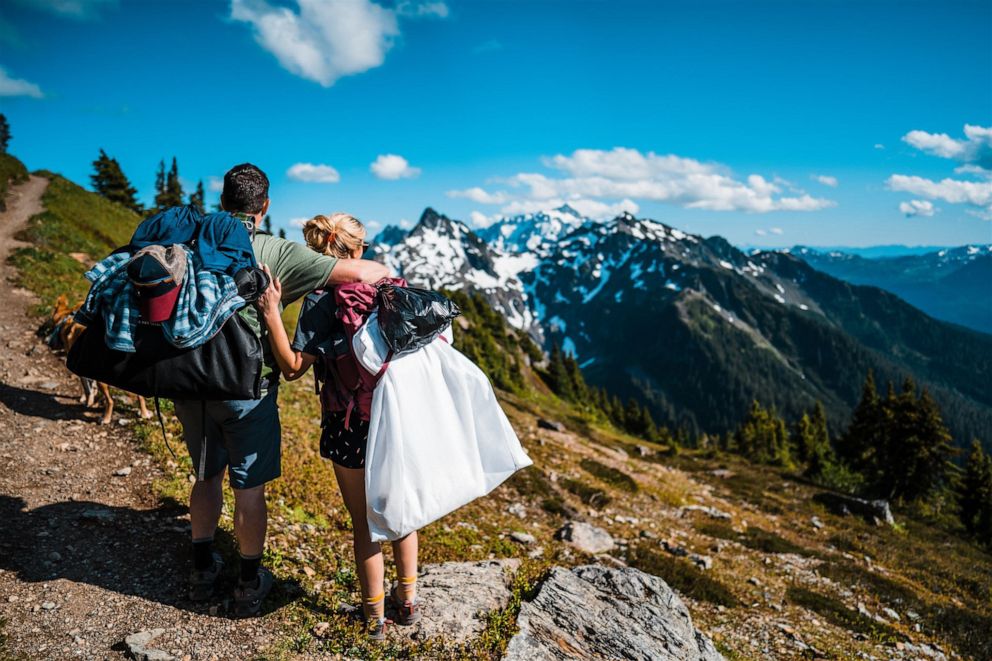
248	596
203	582
376	629
407	610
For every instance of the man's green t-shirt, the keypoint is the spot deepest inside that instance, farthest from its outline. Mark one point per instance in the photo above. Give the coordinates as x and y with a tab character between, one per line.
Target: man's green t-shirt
300	271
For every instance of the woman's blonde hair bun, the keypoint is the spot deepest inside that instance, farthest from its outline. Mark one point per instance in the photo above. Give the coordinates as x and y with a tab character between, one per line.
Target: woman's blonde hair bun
337	235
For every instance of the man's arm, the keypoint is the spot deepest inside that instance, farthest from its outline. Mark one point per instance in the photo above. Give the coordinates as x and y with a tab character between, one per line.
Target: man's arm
357	270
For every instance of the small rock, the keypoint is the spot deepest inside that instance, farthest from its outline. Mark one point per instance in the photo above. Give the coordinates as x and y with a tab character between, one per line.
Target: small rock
553	425
137	645
321	628
675	549
48	605
98	514
54	556
754	581
722	473
701	561
648	534
586	538
891	614
122	472
644	451
712	512
536	553
458	595
518	510
522	537
816	522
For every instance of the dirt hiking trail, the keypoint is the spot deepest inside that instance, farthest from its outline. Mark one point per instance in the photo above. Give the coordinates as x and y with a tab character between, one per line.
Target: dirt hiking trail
88	556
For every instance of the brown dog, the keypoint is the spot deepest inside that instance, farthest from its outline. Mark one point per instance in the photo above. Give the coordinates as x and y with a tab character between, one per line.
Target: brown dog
66	331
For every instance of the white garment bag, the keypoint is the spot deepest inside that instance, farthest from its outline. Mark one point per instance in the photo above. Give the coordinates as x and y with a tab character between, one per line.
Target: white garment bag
438	438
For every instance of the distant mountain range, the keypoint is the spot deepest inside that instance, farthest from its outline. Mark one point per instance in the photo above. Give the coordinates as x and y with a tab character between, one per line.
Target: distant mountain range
953	284
695	327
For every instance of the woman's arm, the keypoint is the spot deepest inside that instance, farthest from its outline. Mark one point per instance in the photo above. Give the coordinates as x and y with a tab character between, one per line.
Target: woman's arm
292	364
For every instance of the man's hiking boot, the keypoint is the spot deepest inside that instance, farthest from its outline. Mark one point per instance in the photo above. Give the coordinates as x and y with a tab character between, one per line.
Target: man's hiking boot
202	583
248	596
407	611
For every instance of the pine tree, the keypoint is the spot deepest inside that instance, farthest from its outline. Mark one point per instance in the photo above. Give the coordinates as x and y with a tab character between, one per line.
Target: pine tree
858	446
561	382
802	438
762	437
282	233
975	494
173	187
632	417
267	224
109	181
4	133
160	196
576	382
197	199
820	453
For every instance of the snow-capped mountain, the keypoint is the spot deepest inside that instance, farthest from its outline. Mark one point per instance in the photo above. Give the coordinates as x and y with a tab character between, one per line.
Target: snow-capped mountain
535	232
693	326
442	253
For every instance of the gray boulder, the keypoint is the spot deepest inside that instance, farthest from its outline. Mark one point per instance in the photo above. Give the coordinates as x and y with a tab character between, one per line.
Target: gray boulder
871	510
456	597
600	612
586	538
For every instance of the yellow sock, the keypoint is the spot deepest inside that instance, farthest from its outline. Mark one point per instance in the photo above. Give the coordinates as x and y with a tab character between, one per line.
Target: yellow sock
375	607
407	588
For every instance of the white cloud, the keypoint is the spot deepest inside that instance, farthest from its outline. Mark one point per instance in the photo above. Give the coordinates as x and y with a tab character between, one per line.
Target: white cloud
607	181
77	9
975	148
323	41
215	184
761	232
974	155
479	195
879	145
422	9
777	230
916	208
17	86
826	180
298	222
954	191
405	223
393	166
480	219
314	173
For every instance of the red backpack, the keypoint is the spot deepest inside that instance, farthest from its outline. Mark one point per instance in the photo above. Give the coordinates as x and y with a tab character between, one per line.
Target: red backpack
339	379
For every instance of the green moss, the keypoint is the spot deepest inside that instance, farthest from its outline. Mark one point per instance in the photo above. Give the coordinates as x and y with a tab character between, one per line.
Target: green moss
610	475
681	575
835	612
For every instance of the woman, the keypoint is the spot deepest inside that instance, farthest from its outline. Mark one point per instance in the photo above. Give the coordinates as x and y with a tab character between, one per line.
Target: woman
343	438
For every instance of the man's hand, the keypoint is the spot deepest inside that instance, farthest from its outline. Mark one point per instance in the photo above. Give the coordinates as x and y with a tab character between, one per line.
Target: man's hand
347	271
268	302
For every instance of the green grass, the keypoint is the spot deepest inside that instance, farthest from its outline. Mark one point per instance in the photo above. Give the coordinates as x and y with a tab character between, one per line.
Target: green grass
12	171
835	612
610	475
74	221
681	575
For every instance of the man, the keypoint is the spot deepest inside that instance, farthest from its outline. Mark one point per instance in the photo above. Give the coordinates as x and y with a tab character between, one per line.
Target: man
243	437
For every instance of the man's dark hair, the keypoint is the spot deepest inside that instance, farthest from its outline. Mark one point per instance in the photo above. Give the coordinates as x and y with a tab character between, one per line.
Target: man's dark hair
245	189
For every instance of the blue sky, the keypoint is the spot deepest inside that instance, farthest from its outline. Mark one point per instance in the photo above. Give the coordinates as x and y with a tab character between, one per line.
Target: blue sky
770	123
